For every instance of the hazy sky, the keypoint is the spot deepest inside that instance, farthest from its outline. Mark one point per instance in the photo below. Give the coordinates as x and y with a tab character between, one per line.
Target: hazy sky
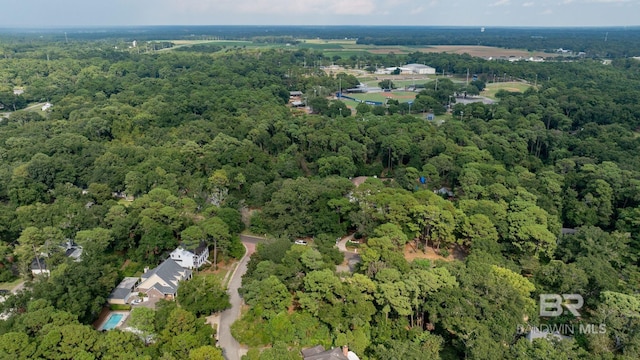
30	13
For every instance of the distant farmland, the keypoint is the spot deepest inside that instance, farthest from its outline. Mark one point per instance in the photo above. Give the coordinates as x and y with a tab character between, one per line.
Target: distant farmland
349	47
346	48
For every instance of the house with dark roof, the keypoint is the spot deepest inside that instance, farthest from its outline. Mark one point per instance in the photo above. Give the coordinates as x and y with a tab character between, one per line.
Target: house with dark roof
568	231
121	294
71	250
536	333
162	282
39	266
319	353
191	259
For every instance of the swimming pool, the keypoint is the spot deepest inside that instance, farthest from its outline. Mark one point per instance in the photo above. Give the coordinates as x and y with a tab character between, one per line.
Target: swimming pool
113	320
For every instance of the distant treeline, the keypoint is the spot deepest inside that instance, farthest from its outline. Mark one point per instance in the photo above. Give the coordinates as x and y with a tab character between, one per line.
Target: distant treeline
614	42
593	42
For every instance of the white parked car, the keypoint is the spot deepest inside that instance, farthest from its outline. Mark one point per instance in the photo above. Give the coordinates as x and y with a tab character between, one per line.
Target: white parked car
300	242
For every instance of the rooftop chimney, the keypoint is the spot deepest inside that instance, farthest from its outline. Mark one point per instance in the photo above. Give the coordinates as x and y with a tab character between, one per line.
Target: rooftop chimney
345	351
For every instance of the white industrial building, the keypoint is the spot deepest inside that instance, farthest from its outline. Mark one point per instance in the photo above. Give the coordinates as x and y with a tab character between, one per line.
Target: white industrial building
420	69
409	69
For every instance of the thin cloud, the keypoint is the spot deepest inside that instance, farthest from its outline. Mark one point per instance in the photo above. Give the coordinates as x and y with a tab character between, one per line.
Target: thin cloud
501	3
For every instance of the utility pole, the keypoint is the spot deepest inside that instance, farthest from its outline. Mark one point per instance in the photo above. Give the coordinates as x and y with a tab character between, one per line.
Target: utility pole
467	76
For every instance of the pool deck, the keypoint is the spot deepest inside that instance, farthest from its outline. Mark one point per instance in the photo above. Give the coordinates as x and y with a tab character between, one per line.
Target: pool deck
125	315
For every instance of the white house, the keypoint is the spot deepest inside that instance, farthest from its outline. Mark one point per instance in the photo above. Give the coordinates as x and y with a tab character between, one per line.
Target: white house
46	106
191	259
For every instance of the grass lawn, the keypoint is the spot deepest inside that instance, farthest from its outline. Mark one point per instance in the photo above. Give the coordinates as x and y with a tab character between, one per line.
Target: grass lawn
344	53
329	41
10	285
402	96
491	89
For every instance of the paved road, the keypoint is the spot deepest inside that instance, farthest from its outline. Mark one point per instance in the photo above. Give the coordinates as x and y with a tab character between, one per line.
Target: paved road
231	347
351	258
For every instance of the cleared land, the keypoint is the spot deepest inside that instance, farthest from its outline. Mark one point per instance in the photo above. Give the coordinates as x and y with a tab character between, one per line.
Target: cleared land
402	96
348	47
491	89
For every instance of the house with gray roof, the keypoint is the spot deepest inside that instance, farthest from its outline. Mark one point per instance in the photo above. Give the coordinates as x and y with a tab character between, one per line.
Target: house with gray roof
121	294
39	266
319	353
162	282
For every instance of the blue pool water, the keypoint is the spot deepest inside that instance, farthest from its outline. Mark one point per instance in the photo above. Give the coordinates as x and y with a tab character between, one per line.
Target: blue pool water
113	320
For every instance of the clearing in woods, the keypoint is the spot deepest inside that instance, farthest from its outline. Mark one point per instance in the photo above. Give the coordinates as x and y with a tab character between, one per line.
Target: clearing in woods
513	86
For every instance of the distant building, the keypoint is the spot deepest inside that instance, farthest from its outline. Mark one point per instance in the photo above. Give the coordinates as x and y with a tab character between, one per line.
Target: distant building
72	250
420	69
545	334
408	69
444	191
18	91
46	106
295	98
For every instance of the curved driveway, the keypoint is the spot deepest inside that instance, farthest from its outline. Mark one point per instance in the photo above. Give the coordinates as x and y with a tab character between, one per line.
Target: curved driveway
231	347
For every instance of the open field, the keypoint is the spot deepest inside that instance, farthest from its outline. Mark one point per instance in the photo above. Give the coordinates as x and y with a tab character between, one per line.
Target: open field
348	47
491	89
402	96
10	285
480	51
330	41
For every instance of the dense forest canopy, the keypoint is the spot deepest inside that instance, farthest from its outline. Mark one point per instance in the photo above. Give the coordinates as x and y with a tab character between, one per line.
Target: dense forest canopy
143	151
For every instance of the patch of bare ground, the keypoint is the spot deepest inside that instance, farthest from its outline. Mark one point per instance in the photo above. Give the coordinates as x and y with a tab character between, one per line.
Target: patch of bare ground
223	267
247	213
125	264
482	51
410	253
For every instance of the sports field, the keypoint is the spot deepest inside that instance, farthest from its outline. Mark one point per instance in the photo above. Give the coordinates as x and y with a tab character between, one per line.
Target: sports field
513	86
402	96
